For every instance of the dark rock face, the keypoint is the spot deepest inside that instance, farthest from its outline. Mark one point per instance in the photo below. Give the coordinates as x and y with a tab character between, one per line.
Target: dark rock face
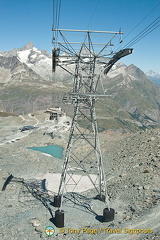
9	62
17	71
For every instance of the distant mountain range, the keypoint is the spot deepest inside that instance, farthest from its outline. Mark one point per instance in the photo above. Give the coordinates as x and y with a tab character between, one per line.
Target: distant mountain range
29	57
27	85
153	76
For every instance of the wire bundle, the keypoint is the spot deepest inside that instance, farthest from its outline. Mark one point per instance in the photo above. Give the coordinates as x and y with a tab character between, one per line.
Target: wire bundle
56	17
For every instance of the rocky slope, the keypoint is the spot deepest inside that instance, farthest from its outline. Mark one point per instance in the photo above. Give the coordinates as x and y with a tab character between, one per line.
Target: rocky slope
131	164
14	72
133	91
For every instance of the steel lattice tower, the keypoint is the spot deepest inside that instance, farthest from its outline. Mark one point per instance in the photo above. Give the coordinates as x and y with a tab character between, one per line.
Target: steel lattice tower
86	61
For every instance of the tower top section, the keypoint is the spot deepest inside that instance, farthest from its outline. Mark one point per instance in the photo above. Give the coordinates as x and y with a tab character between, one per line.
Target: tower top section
72	41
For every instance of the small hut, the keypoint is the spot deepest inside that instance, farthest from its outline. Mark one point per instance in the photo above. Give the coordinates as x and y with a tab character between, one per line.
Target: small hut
55	113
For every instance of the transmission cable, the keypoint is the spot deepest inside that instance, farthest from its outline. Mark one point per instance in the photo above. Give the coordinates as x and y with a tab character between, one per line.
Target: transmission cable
91	20
142	20
118	46
56	17
144	33
93	14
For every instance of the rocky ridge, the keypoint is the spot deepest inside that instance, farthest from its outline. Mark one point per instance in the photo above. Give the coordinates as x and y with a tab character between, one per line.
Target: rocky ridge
26	78
130	88
15	72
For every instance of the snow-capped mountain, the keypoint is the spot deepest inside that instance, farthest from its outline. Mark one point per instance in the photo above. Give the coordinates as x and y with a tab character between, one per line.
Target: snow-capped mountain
153	74
154	77
38	60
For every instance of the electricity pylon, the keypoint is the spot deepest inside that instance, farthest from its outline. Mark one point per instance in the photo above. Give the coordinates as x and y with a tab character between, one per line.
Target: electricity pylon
86	61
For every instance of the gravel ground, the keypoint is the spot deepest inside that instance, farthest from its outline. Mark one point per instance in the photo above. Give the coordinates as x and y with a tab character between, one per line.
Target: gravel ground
131	163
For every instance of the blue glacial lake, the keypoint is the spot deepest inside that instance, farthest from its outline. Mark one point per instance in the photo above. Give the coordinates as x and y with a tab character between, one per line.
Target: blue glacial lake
55	151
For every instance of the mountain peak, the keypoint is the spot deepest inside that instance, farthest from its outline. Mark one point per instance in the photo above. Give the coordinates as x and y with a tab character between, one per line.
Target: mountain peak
28	46
153	74
135	71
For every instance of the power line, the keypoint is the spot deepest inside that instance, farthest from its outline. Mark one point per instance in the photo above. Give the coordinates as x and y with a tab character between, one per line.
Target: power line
56	17
143	33
118	46
142	20
58	13
91	20
93	13
144	36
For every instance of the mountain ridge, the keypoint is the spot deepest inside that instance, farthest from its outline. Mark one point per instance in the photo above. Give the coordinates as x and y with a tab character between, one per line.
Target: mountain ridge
27	71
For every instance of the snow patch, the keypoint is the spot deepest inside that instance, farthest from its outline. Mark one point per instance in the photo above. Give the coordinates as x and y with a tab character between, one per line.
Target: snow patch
33	56
46	60
23	55
84	183
36	50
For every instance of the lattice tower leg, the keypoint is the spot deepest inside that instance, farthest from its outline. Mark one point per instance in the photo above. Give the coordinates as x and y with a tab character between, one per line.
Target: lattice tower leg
84	110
